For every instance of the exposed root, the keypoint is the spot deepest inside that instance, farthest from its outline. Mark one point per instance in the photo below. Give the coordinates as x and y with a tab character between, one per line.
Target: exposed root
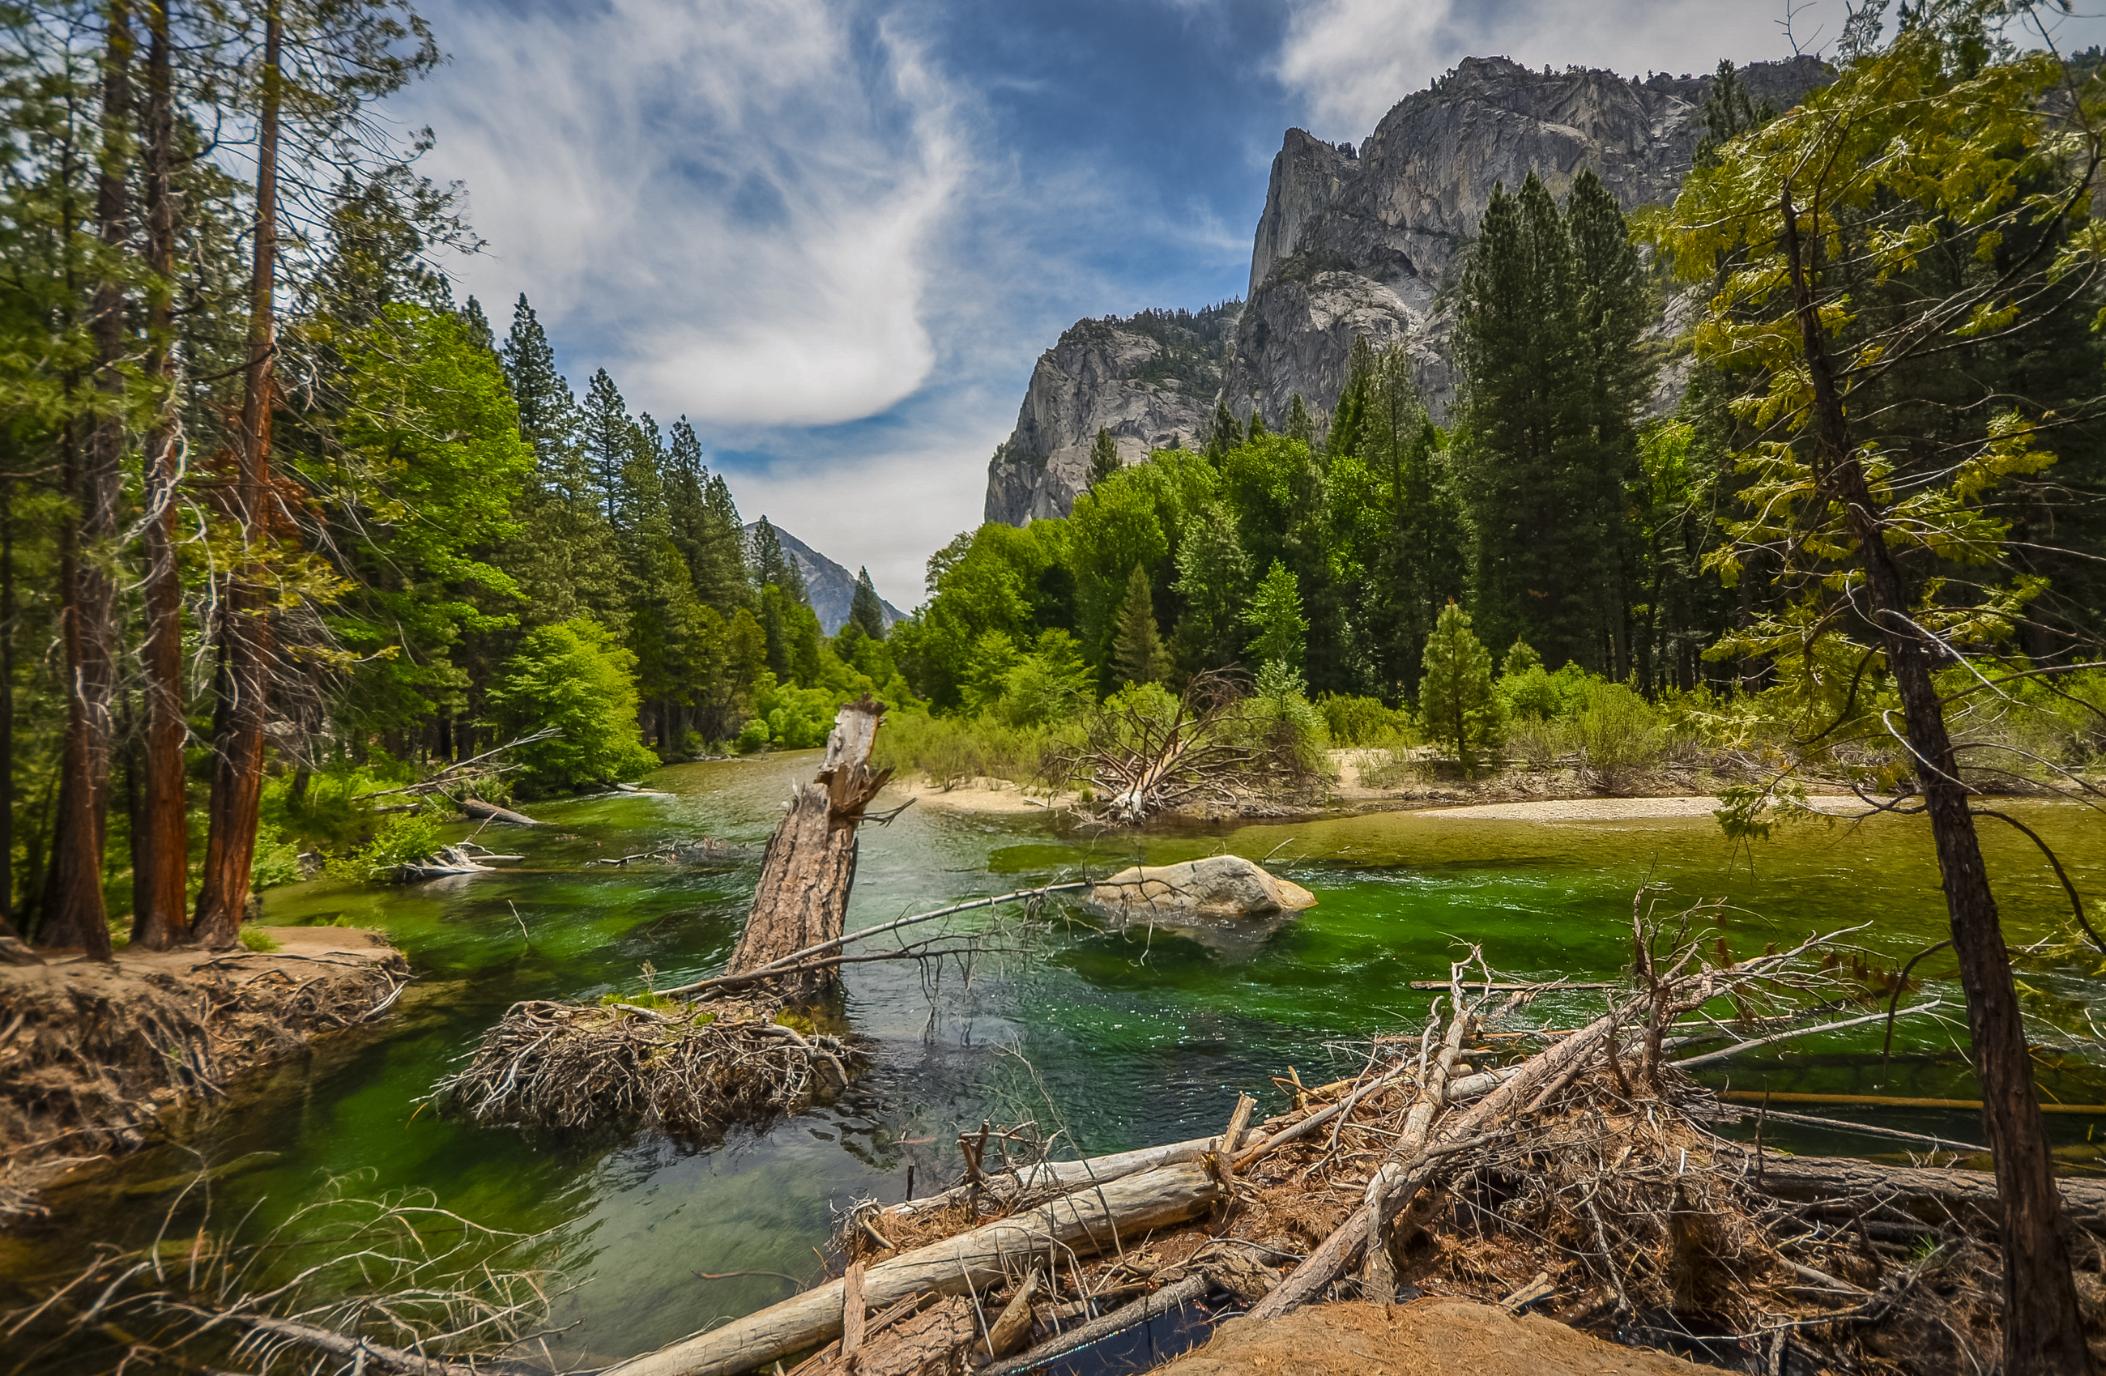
92	1055
690	1072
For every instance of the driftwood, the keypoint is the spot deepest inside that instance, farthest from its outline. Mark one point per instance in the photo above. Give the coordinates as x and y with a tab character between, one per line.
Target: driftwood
475	809
1074	1225
801	900
1935	1196
464	858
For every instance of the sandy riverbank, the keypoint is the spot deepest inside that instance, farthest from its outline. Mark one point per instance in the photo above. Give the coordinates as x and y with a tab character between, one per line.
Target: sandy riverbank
92	1056
1617	809
987	797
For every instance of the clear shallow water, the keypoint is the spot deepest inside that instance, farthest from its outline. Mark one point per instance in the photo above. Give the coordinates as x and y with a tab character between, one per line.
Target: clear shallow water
1116	1040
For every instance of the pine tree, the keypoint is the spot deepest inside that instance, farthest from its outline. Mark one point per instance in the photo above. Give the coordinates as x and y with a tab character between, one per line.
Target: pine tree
866	610
610	442
1224	435
771	563
1213	579
1279	631
1456	701
1300	425
1104	457
1256	430
548	413
1612	311
479	331
1344	435
719	564
1540	563
1137	643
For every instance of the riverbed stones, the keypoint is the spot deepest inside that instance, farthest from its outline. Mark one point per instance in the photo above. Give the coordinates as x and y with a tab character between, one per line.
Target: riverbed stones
1224	889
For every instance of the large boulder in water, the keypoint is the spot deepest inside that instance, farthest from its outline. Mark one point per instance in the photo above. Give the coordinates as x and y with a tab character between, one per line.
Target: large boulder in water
1218	889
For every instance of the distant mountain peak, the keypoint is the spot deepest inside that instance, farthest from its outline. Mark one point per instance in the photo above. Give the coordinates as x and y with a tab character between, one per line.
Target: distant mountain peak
828	587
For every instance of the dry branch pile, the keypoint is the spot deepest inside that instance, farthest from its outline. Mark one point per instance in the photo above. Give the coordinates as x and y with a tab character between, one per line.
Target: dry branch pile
689	1073
1144	754
1578	1179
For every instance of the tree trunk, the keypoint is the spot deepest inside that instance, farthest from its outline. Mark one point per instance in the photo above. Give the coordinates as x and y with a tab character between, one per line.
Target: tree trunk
78	915
161	847
7	698
2043	1327
810	865
244	620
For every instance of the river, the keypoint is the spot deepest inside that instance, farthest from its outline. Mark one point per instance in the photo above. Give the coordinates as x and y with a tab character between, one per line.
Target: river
1113	1040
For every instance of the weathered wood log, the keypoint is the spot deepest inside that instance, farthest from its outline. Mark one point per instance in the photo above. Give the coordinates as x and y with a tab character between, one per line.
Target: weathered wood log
1079	1224
1932	1195
478	810
801	899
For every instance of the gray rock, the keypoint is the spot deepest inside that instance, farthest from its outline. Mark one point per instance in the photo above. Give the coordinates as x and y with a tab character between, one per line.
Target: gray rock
1150	381
1220	888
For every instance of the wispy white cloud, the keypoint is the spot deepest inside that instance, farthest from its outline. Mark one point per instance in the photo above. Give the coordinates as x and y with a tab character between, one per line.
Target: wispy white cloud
1351	60
738	198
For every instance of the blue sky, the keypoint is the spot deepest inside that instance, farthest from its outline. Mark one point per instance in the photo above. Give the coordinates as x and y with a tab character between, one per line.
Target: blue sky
837	233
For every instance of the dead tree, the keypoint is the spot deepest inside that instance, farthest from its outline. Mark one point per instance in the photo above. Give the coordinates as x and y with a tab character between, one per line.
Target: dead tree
810	865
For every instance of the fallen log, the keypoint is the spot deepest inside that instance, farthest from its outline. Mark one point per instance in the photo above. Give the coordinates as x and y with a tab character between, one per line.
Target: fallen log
476	810
1903	1101
1079	1224
801	899
1929	1194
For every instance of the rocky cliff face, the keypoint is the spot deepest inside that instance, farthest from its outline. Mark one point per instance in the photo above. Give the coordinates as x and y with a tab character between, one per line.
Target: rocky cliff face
1365	242
1150	380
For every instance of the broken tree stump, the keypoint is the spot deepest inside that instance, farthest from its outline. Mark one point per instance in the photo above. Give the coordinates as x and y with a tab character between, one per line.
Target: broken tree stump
810	865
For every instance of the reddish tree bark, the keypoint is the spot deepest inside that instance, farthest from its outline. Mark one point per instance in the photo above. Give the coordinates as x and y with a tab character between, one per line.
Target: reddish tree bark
2043	1327
244	632
161	840
87	618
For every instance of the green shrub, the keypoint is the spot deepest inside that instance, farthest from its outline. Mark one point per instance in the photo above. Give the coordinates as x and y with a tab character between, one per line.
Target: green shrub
256	940
1355	722
1619	734
752	736
403	839
1530	694
1285	724
277	858
952	749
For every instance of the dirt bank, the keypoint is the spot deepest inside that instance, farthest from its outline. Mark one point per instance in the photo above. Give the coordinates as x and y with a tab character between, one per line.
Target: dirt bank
93	1056
1428	1337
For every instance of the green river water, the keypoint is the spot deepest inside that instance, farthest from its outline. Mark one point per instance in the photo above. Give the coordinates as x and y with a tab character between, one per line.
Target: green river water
1118	1040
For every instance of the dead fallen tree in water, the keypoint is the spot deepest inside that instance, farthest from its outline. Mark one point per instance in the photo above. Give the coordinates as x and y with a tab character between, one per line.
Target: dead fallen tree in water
739	1047
1579	1179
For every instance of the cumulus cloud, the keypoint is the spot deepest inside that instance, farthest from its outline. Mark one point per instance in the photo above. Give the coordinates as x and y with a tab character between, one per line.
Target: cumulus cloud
736	199
1350	60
